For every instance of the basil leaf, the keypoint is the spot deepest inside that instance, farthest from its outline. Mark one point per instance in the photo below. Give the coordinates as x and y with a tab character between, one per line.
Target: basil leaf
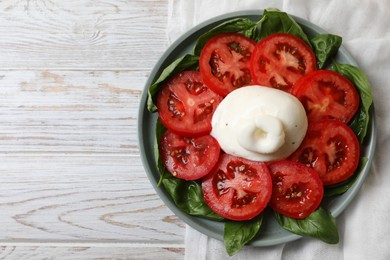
325	46
240	25
188	197
276	21
239	233
359	123
253	33
196	204
160	130
342	187
320	224
186	62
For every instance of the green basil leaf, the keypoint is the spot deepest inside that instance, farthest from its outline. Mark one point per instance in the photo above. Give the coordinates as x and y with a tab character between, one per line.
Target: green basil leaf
359	123
240	25
320	224
253	33
160	130
188	197
238	233
196	204
275	21
186	62
342	187
325	46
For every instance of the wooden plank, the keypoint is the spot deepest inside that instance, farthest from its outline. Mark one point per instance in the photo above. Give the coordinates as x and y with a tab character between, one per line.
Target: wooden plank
70	111
91	252
82	198
82	34
72	185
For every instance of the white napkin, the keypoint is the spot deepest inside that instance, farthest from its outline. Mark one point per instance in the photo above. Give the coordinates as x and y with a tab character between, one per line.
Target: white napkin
364	25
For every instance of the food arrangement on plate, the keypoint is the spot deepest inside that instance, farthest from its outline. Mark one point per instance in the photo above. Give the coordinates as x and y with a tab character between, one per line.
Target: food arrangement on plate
260	117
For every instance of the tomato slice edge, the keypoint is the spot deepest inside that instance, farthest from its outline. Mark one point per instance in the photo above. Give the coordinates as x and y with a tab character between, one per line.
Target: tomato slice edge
221	199
297	189
327	94
239	58
188	158
326	141
301	54
192	116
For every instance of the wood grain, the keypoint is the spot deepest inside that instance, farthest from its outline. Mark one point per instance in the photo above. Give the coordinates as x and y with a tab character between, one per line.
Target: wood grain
91	198
72	185
82	34
70	111
91	252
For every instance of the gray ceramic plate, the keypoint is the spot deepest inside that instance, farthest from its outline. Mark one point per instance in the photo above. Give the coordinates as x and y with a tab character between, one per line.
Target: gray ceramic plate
270	233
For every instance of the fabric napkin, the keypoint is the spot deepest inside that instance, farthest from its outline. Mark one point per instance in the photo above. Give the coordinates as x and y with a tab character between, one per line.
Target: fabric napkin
364	25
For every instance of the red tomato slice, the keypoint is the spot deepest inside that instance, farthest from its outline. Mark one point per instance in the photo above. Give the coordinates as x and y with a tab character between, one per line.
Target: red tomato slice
237	188
186	105
280	59
188	158
224	62
297	189
327	94
331	148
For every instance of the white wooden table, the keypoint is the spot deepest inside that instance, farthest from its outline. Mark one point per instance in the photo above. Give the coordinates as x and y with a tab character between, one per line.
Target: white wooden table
72	184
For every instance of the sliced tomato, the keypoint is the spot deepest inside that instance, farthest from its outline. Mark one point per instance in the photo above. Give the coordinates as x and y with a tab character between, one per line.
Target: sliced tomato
331	148
297	189
186	105
237	188
327	94
188	158
224	62
280	59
